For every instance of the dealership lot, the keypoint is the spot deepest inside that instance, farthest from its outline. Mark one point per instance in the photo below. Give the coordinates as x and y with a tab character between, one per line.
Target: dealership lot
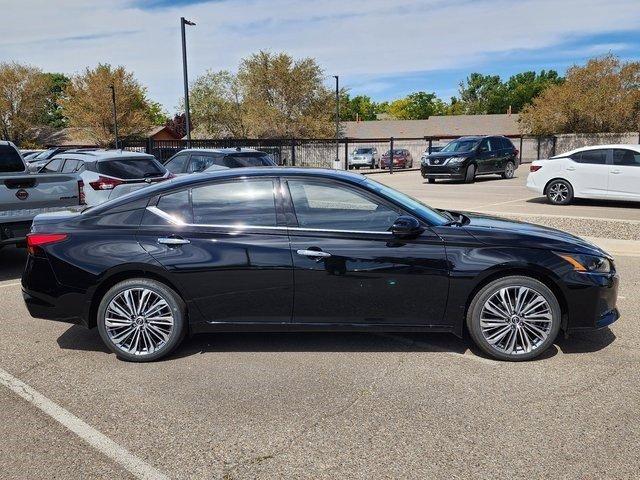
337	405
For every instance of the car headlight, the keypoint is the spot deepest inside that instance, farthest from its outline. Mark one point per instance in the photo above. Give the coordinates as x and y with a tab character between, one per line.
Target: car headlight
455	160
587	263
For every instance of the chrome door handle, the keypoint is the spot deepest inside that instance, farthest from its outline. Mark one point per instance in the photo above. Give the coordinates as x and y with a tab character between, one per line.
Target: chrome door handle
313	253
173	241
616	172
571	169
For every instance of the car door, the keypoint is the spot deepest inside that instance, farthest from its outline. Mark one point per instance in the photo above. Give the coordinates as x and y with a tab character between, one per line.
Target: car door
349	269
485	157
624	175
588	172
226	244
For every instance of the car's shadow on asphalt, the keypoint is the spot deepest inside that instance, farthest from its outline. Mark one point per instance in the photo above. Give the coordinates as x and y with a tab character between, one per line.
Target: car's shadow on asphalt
584	202
12	260
483	179
80	338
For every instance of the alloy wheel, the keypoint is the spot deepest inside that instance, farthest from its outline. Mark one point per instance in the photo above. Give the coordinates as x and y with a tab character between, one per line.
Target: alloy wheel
516	320
139	321
509	170
558	192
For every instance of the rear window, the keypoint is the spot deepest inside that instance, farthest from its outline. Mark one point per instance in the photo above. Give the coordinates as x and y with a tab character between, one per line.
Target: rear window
247	160
131	168
10	160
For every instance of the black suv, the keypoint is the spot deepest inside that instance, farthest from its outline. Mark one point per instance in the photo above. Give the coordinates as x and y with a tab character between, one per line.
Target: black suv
467	157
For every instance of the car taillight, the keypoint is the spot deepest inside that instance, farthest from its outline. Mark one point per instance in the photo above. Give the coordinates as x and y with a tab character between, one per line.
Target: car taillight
105	183
81	199
535	168
37	240
517	152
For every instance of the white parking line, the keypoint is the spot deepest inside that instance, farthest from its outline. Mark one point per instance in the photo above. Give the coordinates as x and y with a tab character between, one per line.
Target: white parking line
10	284
89	434
548	215
503	203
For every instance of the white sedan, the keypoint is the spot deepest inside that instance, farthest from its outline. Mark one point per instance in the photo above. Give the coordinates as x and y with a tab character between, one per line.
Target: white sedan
607	172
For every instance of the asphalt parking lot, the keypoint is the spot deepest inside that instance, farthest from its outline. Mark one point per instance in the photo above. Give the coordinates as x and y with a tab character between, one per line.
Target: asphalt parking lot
337	405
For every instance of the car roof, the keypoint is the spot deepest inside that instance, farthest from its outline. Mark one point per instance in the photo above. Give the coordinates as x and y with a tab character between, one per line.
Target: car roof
224	151
630	146
203	177
98	155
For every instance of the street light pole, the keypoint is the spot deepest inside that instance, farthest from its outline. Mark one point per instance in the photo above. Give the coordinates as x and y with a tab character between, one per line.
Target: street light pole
115	112
187	116
337	119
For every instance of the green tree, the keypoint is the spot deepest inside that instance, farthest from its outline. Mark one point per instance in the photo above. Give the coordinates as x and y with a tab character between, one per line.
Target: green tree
24	96
53	115
482	94
601	96
157	114
272	95
416	106
87	104
360	107
522	88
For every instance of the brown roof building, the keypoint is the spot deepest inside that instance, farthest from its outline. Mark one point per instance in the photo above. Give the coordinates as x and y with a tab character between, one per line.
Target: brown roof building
435	126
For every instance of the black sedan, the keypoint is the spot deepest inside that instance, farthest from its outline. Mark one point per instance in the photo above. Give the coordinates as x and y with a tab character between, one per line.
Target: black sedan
273	249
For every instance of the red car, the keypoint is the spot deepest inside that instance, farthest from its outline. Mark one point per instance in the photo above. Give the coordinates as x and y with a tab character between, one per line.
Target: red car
401	159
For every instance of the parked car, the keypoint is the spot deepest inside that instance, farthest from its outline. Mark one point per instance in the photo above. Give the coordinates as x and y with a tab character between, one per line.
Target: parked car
26	154
364	157
24	195
198	160
468	157
108	174
292	249
606	172
35	162
401	159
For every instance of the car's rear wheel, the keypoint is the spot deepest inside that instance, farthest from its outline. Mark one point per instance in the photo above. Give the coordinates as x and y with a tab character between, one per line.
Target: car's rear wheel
141	319
560	192
514	318
509	170
470	174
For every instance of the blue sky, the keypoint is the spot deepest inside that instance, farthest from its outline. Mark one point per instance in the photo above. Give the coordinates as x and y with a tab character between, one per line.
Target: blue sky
381	48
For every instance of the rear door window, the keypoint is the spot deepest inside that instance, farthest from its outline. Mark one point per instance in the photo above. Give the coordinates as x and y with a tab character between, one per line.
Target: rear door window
201	161
177	205
71	166
593	157
250	203
238	161
10	160
131	168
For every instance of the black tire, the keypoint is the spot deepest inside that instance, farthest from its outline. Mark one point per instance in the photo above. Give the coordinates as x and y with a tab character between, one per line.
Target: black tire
175	303
559	192
431	180
470	174
357	167
372	166
477	304
509	170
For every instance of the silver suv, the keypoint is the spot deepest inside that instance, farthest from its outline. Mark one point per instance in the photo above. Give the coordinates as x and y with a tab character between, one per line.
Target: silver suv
364	157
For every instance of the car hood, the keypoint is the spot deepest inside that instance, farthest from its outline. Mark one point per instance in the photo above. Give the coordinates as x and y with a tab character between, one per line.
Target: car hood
447	154
490	230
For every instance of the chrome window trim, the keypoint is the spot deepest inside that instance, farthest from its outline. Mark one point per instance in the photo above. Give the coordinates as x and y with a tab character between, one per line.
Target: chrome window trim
164	215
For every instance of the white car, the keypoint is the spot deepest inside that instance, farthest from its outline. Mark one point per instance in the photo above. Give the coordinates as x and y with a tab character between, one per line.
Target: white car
606	172
108	174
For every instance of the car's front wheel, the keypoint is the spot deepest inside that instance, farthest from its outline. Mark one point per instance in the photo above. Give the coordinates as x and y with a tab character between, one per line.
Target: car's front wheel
514	318
141	319
560	192
470	174
431	180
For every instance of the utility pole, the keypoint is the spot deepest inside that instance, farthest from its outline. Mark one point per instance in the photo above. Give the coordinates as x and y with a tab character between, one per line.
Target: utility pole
115	112
187	115
337	119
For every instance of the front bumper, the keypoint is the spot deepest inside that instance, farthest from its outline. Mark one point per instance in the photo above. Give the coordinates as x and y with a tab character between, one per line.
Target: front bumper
442	171
591	301
360	162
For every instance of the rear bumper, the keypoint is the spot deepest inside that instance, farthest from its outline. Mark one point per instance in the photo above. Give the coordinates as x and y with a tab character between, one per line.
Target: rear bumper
534	186
46	298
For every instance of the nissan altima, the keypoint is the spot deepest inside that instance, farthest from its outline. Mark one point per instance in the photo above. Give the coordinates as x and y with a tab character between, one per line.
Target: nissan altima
286	249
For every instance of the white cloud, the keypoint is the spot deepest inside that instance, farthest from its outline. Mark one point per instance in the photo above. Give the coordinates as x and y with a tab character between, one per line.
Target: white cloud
353	38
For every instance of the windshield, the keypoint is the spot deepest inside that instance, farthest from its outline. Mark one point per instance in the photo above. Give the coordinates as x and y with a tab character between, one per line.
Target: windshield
421	210
461	145
363	151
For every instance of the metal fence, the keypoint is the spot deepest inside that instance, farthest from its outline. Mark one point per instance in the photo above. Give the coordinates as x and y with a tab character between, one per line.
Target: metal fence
322	152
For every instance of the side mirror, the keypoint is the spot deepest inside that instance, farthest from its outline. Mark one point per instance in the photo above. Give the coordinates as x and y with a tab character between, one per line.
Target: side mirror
406	227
